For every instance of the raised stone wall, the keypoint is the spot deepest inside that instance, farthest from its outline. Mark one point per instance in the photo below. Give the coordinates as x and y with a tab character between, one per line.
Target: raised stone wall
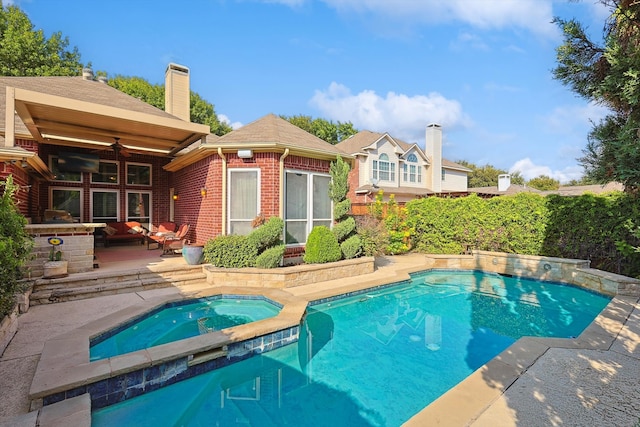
287	277
562	270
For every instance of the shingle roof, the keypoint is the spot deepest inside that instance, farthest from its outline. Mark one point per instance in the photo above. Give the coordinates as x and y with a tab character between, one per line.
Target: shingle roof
272	129
513	189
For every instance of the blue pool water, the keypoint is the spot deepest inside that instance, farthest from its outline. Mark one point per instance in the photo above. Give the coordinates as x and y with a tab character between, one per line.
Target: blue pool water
375	359
180	320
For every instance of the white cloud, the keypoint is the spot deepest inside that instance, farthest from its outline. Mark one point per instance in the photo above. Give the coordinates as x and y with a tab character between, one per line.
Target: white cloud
530	170
403	116
224	119
532	15
566	119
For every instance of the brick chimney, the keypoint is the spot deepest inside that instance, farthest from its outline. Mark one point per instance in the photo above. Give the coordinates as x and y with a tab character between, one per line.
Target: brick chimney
177	92
433	150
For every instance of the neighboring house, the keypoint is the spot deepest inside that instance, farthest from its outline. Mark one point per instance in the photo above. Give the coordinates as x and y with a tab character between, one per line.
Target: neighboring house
79	145
506	188
385	163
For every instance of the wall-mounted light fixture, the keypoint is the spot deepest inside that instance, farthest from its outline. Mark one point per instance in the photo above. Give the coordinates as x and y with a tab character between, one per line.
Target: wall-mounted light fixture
245	154
203	192
175	196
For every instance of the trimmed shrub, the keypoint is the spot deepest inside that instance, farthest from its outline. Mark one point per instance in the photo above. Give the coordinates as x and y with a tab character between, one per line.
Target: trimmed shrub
271	257
342	229
230	252
352	247
268	234
322	246
341	209
373	235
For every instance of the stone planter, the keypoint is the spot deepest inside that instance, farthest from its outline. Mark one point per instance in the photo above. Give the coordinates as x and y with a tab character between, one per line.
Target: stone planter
193	254
54	269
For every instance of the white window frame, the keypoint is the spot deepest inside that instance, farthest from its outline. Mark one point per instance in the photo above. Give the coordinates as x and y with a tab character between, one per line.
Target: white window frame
128	218
126	171
104	190
231	171
378	171
74	189
105	182
309	220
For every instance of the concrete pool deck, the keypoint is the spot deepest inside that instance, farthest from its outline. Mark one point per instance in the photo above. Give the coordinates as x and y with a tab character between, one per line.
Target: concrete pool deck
591	380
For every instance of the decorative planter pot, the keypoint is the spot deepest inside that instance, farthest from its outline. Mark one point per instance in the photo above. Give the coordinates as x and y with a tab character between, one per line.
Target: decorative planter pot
193	254
54	269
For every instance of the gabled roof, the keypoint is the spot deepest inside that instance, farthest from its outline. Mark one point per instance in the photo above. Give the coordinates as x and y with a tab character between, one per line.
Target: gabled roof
267	134
75	111
356	144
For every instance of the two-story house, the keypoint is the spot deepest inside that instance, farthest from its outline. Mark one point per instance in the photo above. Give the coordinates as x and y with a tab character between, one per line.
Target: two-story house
405	170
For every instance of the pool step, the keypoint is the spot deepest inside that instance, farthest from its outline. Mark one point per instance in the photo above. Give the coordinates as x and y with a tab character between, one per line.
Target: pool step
89	285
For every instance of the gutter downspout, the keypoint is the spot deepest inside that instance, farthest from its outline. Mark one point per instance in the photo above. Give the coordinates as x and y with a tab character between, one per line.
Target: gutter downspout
223	227
281	185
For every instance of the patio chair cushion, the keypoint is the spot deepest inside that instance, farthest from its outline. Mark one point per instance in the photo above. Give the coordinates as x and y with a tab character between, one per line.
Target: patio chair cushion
124	231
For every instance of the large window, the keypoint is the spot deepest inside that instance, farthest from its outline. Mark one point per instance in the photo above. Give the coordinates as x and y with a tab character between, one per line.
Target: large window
107	173
63	175
139	207
138	174
411	170
244	199
104	205
307	204
67	199
383	169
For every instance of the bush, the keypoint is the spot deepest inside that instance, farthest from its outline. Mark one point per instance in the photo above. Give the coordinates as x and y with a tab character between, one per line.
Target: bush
373	235
341	209
271	257
15	247
342	229
230	252
352	247
268	234
322	246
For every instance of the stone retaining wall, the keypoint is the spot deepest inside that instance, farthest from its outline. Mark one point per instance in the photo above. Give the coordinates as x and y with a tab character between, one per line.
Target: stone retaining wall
287	277
562	270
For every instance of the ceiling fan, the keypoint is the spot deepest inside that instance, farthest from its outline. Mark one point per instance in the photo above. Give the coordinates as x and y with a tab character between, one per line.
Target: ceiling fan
119	148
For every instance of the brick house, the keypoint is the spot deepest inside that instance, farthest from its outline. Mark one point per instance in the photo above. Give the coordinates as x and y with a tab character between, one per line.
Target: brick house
405	170
79	145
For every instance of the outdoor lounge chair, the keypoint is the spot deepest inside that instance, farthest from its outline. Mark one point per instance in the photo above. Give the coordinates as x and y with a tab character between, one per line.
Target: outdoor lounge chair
158	234
174	241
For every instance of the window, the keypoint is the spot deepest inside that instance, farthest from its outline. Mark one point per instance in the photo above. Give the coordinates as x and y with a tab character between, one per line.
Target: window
138	207
138	174
307	204
412	172
383	169
67	199
244	199
63	175
444	174
107	173
104	205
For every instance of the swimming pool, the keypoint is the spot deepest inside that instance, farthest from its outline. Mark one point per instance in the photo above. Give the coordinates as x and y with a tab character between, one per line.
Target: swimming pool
179	320
375	358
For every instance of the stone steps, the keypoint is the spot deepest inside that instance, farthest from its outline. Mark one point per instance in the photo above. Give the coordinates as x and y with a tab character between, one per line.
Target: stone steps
89	285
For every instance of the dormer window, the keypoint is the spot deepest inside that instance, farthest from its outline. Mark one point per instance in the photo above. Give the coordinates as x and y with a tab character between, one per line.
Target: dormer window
383	169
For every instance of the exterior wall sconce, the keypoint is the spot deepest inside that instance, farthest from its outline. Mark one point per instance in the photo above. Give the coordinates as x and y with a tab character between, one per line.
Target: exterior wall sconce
175	196
245	154
203	192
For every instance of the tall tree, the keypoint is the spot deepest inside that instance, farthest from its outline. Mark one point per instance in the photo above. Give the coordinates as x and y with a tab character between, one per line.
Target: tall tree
608	74
324	129
543	183
487	175
201	111
27	52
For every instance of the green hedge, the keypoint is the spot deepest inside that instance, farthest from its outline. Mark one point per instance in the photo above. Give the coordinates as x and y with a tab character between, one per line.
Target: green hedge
271	257
352	247
322	246
230	251
268	234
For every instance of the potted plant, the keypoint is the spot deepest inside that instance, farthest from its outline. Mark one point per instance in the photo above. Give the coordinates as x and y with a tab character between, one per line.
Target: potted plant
55	266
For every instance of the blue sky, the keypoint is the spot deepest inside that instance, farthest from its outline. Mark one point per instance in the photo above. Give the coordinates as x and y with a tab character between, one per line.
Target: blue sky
480	68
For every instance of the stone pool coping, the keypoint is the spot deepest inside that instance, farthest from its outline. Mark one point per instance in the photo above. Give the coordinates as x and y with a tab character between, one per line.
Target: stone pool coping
479	392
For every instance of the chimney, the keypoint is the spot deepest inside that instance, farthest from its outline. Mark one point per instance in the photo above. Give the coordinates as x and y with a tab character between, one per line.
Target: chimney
102	79
87	73
504	182
176	91
433	150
